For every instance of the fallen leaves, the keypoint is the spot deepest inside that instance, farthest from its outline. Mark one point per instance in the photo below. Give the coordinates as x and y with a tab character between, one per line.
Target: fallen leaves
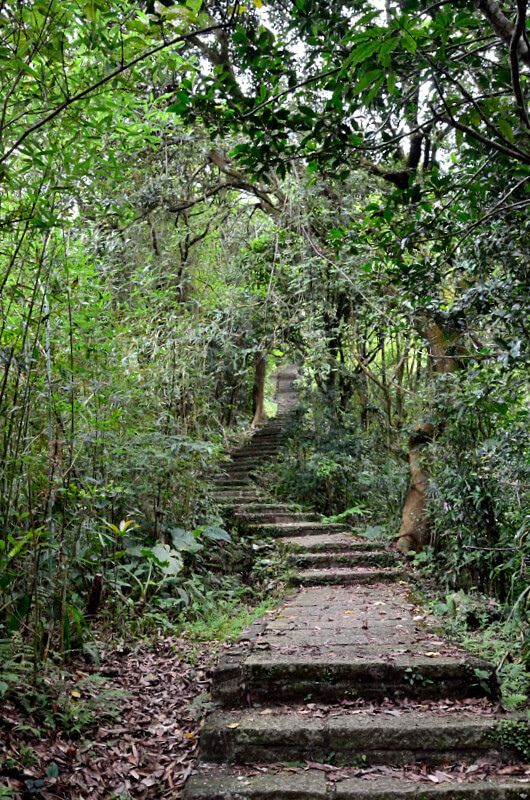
149	751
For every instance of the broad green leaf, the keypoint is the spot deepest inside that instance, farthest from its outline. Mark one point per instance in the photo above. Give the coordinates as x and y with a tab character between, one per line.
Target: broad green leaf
409	43
91	11
216	534
366	80
506	129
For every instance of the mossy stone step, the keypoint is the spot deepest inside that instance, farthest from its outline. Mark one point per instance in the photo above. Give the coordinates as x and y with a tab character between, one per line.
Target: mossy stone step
266	508
299	528
246	737
334	643
277	517
235	495
346	576
329	543
351	558
312	784
228	481
346	675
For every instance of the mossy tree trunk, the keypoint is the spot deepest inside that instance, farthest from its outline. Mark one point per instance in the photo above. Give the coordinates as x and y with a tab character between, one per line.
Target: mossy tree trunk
444	350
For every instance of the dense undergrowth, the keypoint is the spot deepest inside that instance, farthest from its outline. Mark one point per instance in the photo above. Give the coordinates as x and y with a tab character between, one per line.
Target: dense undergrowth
340	468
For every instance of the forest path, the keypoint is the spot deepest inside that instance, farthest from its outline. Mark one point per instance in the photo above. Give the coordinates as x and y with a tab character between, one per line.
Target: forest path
348	690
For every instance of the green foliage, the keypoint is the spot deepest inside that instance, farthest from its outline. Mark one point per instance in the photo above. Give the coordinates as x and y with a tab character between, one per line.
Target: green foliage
488	628
165	220
479	465
514	735
332	466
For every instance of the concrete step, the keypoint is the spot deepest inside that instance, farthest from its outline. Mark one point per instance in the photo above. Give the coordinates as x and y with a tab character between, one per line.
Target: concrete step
368	738
297	677
235	470
325	560
235	495
330	644
300	528
254	457
329	543
228	481
264	507
312	784
273	518
346	576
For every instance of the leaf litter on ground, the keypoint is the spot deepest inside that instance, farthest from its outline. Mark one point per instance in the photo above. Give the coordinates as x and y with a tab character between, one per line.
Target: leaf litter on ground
147	750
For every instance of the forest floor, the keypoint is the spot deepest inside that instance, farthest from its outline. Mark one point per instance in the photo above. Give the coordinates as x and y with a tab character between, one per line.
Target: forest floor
139	713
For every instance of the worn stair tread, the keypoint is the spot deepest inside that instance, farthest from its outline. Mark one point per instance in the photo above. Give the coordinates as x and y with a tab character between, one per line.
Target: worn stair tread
274	517
313	784
329	542
340	642
345	576
271	507
370	738
342	558
281	529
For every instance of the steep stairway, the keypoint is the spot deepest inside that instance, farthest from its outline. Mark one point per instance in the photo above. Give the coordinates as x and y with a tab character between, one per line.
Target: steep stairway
348	691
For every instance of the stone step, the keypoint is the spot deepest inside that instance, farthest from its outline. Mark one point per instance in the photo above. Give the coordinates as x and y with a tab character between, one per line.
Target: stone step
313	784
266	508
331	644
273	518
360	558
235	495
328	543
246	486
300	528
346	576
254	457
226	480
251	464
274	438
288	678
235	471
365	737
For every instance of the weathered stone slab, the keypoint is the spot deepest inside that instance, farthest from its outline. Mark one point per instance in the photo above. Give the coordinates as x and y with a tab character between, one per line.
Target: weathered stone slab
344	576
328	542
394	789
363	738
353	558
299	528
285	786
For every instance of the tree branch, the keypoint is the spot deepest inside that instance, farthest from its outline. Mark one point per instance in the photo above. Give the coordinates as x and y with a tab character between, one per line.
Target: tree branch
503	27
520	25
90	89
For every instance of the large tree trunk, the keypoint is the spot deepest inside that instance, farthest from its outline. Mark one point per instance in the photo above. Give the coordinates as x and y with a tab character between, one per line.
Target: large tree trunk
414	531
444	349
258	392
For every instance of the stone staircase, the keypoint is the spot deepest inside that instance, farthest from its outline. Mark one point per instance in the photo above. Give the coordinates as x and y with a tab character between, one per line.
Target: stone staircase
348	691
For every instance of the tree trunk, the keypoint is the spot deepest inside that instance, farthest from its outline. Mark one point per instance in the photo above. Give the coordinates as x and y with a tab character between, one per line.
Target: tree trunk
258	392
444	350
414	531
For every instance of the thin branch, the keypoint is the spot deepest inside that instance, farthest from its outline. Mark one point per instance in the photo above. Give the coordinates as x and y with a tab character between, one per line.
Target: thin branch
517	155
291	89
503	27
497	208
520	25
90	89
